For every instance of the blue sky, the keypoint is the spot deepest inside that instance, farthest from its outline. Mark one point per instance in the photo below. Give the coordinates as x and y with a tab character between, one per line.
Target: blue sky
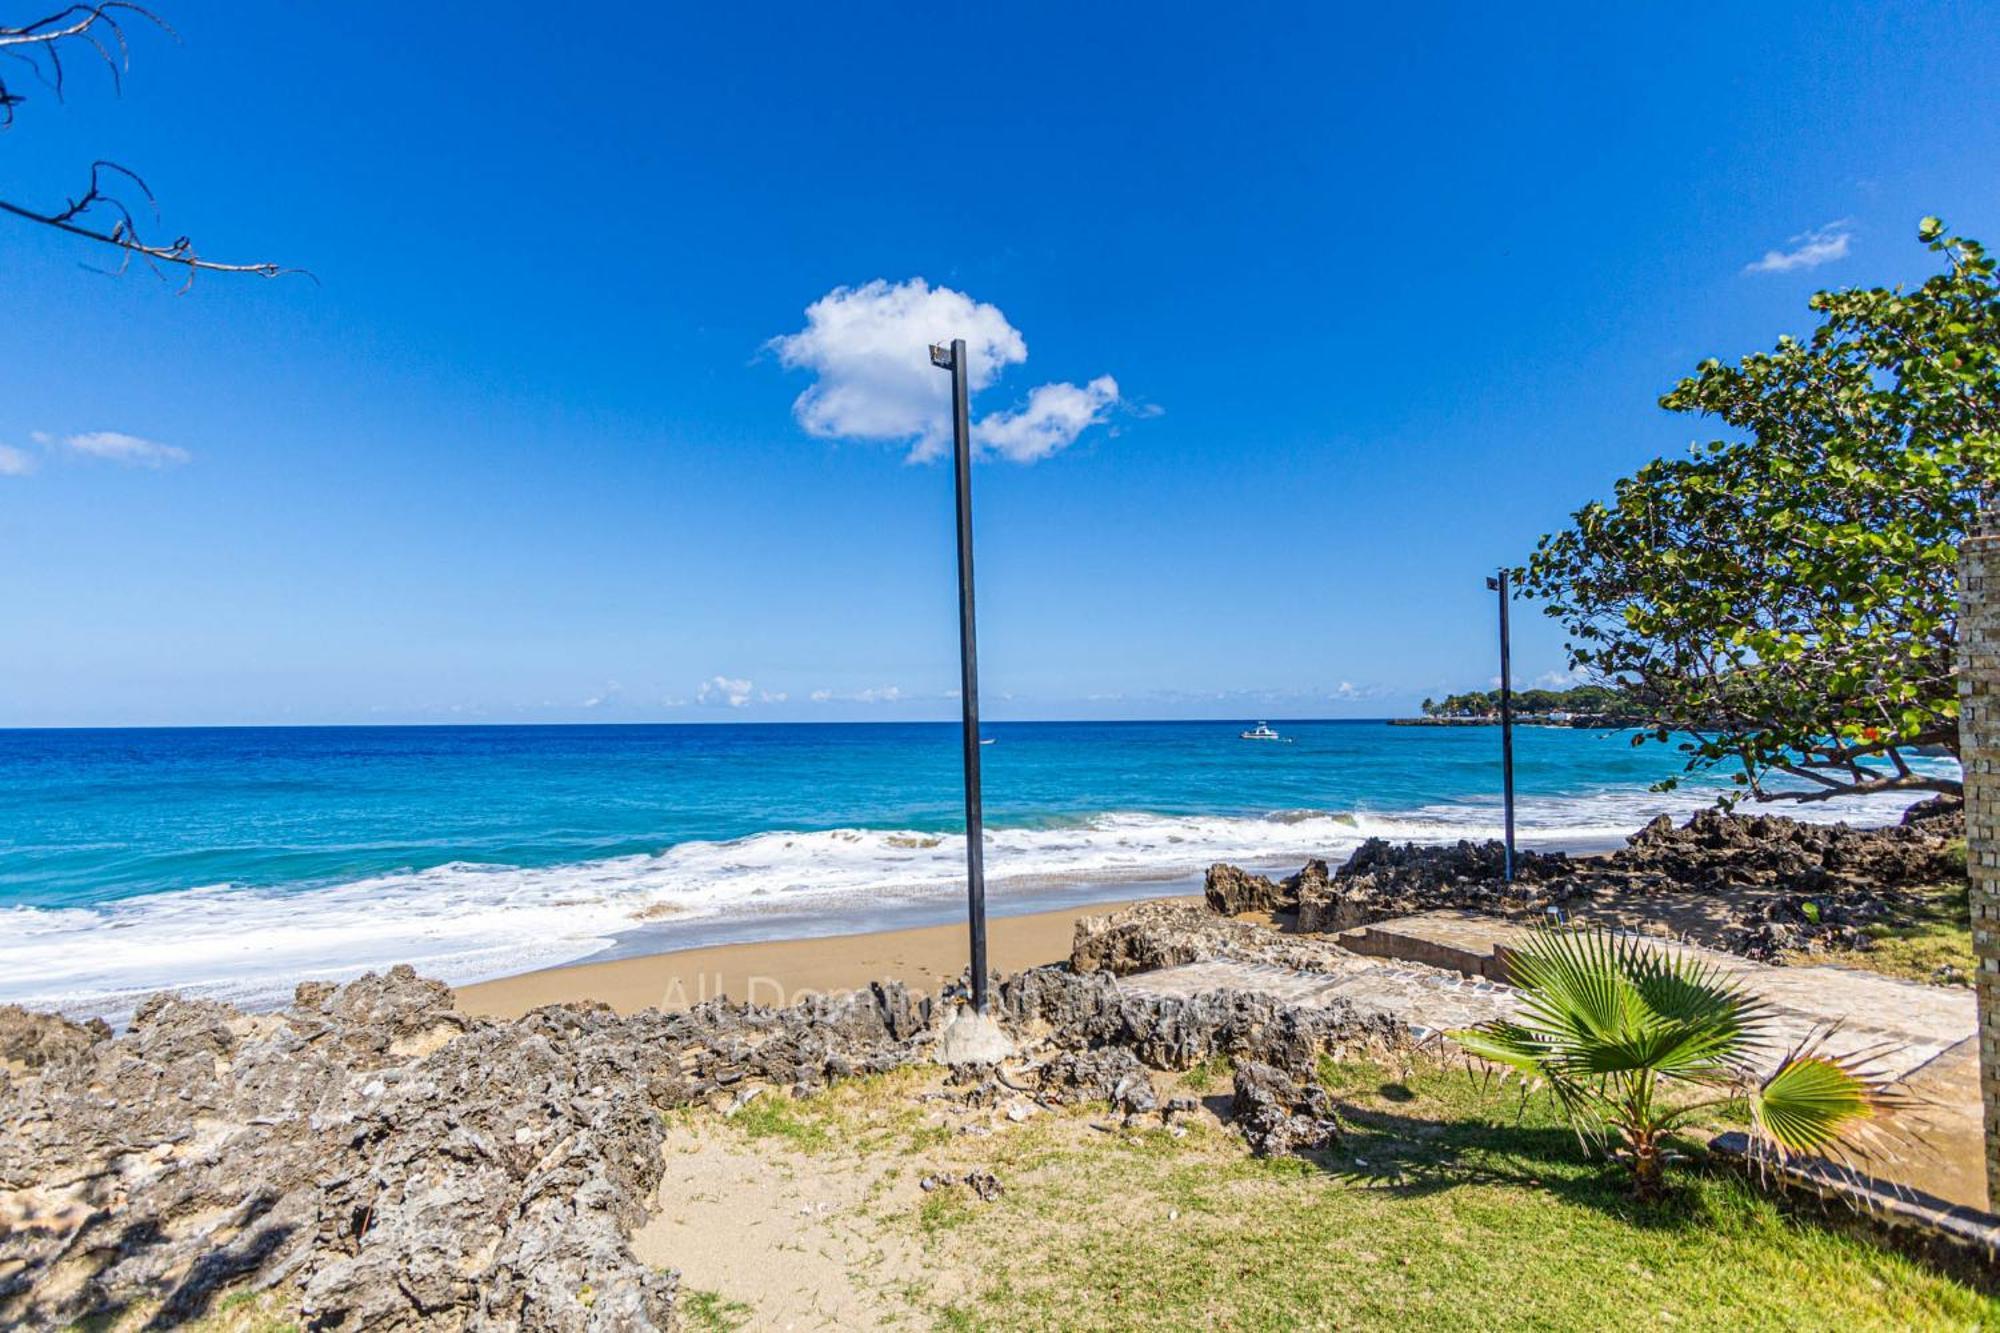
1380	297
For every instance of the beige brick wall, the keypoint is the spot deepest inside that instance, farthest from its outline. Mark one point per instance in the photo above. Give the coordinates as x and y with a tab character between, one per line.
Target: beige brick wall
1979	735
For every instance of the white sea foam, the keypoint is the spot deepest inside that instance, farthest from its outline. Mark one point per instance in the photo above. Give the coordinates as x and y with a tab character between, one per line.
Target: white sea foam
466	922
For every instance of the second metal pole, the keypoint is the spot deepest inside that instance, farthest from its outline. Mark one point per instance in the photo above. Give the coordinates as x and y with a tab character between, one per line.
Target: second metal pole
968	677
1506	720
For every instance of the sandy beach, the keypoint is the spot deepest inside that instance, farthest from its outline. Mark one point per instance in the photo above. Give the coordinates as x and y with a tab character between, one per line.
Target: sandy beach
778	972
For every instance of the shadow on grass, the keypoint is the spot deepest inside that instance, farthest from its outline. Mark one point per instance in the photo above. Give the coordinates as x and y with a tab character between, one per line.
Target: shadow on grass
1413	1156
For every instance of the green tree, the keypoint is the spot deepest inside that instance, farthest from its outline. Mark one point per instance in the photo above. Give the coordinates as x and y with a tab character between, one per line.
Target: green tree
1786	600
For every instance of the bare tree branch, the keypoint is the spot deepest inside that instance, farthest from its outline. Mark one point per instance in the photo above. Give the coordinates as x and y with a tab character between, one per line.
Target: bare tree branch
39	45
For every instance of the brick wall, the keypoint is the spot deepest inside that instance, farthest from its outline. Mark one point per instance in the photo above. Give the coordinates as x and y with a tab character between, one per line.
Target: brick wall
1979	736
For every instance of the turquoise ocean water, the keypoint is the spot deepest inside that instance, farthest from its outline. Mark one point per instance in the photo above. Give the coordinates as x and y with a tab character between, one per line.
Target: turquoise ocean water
238	861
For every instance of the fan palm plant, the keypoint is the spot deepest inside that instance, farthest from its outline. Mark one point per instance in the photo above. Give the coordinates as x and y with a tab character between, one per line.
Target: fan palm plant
1611	1024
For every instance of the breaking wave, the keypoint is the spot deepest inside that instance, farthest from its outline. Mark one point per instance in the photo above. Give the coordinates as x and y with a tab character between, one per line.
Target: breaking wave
466	922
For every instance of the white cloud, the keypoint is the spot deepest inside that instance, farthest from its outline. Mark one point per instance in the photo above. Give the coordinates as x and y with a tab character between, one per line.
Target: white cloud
119	447
110	445
725	690
886	694
869	347
1561	680
1054	416
1809	249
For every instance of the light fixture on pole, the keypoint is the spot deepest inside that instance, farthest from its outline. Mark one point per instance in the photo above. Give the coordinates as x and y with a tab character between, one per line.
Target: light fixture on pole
952	358
1499	585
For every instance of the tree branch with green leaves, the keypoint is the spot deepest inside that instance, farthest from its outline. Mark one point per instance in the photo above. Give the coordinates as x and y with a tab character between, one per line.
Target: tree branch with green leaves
1784	601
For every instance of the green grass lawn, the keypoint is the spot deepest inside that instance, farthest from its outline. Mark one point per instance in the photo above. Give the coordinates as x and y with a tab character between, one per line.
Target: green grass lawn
1929	941
1448	1207
1451	1204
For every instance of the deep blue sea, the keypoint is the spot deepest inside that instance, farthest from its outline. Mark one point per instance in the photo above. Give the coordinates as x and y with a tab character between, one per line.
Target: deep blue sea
237	861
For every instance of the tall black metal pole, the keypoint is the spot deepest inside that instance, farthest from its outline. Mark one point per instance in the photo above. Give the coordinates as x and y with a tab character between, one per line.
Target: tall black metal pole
968	666
1499	585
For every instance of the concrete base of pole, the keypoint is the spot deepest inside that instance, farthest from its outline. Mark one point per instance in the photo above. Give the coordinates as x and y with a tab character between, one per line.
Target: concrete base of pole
973	1038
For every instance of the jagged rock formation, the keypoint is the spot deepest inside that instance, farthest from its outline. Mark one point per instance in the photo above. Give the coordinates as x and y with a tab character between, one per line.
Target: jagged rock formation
1803	885
1381	880
1106	1074
398	1164
1715	850
29	1040
1233	892
1279	1114
389	1163
1084	1011
1150	935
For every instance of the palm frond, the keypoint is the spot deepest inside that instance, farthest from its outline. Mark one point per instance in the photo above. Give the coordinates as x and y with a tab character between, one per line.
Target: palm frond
1819	1103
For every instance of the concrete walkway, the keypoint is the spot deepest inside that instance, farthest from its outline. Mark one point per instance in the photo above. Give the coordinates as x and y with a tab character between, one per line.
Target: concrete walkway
1442	970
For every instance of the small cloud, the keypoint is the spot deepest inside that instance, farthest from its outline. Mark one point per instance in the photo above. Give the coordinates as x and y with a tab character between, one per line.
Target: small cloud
1055	414
118	447
869	350
886	694
15	462
1348	692
1561	680
772	696
724	690
1808	249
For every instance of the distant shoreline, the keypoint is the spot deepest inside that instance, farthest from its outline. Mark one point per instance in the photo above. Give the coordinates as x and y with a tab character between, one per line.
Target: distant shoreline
1579	722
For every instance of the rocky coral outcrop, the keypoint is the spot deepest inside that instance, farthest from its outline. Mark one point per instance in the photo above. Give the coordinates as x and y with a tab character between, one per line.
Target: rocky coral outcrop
1233	892
1279	1114
387	1160
1801	885
1151	935
1382	880
1087	1011
1714	850
29	1040
1106	1074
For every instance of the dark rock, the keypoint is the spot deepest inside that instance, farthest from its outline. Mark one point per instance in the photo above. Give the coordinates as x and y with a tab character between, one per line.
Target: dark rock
1946	815
1134	940
1278	1114
1382	880
984	1185
1082	1011
1147	936
1831	881
1104	1074
31	1040
1233	892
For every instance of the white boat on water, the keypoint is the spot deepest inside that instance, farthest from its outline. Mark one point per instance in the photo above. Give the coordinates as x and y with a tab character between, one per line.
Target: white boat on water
1261	732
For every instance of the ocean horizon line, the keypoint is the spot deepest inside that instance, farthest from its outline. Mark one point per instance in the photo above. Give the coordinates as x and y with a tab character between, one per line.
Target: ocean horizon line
1227	718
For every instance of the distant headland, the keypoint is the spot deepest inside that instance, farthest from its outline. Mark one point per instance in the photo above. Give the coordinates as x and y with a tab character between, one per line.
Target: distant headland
1591	707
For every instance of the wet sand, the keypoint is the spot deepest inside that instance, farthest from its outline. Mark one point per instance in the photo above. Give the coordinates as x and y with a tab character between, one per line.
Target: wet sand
777	972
